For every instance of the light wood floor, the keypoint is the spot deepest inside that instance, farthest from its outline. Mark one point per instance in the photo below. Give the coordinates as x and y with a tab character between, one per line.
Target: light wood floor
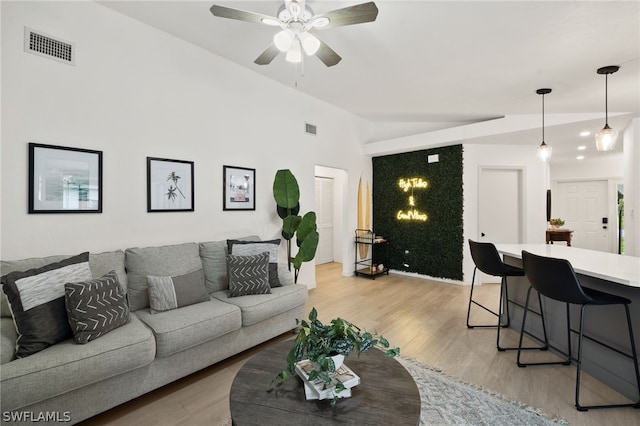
426	319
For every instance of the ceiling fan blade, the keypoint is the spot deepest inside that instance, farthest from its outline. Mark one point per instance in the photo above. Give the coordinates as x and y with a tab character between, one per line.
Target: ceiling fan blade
358	14
240	15
268	55
327	55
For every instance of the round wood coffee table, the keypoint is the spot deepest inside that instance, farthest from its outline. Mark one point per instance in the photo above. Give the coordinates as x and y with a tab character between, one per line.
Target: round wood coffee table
386	395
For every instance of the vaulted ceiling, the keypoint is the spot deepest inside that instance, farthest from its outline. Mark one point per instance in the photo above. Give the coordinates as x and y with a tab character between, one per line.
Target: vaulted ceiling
427	65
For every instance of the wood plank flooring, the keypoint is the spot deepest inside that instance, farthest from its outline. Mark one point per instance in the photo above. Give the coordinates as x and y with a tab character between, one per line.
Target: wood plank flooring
426	319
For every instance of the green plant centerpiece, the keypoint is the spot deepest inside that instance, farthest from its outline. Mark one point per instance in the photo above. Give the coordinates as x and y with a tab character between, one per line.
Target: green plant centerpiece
319	342
287	195
557	222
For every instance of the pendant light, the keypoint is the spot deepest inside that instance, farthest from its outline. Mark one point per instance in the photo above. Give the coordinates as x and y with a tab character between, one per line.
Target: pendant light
606	138
544	150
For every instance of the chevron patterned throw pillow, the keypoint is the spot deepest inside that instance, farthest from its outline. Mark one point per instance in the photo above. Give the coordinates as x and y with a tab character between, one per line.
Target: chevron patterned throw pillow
248	274
96	307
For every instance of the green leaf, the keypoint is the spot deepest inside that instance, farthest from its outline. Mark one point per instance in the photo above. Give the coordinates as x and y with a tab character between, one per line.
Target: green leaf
313	315
307	250
306	226
289	226
285	189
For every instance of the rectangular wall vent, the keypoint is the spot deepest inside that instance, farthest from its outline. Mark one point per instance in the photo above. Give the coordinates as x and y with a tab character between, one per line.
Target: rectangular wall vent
41	44
310	129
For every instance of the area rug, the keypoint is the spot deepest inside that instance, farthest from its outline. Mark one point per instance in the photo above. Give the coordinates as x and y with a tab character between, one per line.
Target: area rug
447	400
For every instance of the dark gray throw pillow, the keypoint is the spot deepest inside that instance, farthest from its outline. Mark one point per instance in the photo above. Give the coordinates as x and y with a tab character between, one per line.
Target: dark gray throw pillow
166	293
248	274
96	307
247	248
36	299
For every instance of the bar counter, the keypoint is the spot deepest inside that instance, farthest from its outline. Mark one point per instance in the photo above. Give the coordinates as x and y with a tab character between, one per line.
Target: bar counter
602	271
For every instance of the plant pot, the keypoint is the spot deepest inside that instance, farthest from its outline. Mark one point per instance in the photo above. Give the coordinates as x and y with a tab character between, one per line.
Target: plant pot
338	360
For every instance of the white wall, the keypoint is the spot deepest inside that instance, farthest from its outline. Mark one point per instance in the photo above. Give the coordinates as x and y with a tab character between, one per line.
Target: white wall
632	188
138	92
535	189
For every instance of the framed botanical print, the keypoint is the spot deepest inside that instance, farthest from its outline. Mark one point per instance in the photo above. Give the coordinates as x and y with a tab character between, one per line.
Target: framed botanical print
169	185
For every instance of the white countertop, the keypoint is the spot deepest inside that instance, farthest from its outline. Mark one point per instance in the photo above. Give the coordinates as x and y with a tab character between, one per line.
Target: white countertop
607	266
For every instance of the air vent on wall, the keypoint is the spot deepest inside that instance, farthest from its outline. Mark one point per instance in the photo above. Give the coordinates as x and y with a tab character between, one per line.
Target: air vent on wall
41	44
310	129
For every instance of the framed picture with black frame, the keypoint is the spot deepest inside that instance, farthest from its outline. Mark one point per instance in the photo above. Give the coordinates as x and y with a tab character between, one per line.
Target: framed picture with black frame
170	186
239	188
64	179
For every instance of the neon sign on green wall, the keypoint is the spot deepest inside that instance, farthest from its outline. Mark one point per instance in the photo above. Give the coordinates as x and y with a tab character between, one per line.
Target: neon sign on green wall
412	213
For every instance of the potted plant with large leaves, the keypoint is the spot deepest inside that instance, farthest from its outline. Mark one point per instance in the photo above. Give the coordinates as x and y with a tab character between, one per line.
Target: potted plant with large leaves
320	343
286	192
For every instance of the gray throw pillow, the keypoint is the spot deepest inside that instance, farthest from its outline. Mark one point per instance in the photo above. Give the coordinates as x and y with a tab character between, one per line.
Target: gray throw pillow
248	274
247	248
166	293
96	307
36	299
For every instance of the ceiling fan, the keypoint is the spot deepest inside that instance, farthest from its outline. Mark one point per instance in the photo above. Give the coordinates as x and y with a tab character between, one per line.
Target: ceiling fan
297	21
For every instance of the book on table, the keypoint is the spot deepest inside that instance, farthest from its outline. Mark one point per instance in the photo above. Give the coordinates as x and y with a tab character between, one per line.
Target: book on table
316	389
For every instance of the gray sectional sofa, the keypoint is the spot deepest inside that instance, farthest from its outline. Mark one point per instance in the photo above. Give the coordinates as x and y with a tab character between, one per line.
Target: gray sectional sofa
72	382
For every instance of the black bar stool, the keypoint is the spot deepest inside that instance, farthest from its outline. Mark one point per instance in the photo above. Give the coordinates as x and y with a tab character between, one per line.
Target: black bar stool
487	259
556	279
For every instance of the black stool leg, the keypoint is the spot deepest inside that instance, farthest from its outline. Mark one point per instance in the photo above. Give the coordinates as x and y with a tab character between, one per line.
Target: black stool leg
635	362
633	352
519	347
471	301
544	330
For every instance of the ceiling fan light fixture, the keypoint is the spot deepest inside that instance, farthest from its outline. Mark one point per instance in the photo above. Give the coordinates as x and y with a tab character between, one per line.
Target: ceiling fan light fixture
310	43
606	138
294	54
320	22
283	40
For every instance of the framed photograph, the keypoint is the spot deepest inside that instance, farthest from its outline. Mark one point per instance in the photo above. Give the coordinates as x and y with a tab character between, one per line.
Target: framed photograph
64	180
239	188
169	185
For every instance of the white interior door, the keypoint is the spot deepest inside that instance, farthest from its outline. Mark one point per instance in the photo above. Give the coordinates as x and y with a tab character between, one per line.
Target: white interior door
500	210
583	205
324	219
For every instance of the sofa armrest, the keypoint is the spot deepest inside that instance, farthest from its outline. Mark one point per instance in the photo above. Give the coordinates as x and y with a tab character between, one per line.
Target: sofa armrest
8	337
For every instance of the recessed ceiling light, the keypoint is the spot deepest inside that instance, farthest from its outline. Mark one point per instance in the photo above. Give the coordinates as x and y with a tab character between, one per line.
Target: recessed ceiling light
585	133
582	148
580	157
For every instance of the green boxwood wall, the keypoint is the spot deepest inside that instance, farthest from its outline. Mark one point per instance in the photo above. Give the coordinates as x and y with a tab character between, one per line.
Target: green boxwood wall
432	247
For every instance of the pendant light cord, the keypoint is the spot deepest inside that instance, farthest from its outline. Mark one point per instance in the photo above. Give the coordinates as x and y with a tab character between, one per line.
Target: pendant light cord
606	106
543	118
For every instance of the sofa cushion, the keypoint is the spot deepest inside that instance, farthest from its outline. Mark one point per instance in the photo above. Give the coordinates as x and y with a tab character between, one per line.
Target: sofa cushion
247	248
182	328
67	365
163	261
166	293
100	264
248	274
95	307
214	262
256	308
36	299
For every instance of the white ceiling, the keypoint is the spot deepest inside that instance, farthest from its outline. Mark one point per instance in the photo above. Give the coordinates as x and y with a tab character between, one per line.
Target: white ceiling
425	65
